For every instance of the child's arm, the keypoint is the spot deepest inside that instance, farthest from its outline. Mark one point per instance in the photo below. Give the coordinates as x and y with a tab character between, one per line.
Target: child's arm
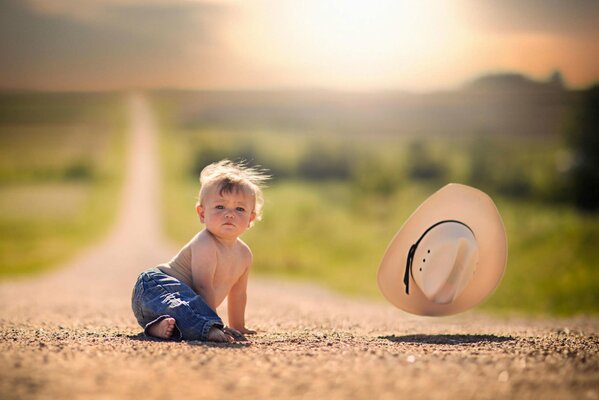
236	302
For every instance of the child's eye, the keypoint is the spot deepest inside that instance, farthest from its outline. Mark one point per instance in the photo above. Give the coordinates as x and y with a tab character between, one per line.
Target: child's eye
219	207
240	209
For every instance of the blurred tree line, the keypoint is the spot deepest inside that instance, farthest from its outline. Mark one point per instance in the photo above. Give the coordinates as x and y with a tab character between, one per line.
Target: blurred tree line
582	136
563	171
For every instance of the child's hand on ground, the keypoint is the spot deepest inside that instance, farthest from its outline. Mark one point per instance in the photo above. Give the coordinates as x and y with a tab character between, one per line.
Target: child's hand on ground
217	335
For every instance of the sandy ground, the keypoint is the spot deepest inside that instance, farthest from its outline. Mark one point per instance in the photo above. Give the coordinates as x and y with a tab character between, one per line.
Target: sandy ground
70	334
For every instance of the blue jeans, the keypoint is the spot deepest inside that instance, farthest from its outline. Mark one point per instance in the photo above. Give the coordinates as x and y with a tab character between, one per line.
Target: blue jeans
157	296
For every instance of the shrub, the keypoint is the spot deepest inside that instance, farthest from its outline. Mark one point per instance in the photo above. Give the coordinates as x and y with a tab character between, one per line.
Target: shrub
324	161
421	165
583	137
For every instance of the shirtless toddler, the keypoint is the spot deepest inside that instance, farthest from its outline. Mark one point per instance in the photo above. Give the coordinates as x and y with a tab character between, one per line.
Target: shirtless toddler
178	300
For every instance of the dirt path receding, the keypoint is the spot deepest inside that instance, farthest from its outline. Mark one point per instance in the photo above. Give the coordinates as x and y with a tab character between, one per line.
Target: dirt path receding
70	334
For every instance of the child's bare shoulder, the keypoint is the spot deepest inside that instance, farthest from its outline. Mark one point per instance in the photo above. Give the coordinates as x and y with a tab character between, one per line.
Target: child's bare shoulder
203	242
245	251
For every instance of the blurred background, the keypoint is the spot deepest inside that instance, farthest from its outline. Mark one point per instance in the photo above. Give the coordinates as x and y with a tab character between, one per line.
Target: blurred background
360	110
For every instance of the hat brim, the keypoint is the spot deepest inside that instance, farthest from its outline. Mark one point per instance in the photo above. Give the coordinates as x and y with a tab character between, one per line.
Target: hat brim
452	202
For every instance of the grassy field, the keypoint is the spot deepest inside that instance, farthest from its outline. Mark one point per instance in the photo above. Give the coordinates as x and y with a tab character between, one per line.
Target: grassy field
61	158
336	202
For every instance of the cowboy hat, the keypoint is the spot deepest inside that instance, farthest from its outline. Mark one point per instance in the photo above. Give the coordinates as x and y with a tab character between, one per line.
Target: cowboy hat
448	256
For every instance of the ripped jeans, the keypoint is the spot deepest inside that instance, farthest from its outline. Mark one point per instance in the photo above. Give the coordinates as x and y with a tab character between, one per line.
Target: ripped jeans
157	296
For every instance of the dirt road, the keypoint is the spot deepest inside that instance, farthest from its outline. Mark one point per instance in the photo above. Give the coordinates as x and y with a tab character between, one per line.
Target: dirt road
70	334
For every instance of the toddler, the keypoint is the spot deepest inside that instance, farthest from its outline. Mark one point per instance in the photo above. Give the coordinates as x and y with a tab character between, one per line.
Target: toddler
178	300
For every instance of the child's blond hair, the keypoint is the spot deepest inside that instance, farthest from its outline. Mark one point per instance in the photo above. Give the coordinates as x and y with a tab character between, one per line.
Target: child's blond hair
228	176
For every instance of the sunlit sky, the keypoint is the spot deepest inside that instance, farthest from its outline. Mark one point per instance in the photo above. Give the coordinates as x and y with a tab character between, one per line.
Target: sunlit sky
417	45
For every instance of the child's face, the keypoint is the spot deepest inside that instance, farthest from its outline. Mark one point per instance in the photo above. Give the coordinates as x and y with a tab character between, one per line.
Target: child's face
227	215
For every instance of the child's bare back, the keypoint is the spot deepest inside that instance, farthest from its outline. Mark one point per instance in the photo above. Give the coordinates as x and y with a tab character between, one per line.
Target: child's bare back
223	265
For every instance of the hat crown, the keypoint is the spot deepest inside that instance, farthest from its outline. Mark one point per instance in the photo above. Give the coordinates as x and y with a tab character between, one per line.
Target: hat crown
458	203
445	261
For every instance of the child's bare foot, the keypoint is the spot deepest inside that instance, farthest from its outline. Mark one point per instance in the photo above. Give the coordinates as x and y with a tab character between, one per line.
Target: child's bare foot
162	329
217	335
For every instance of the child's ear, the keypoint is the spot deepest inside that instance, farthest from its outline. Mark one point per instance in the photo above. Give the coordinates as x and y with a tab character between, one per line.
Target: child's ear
200	211
252	217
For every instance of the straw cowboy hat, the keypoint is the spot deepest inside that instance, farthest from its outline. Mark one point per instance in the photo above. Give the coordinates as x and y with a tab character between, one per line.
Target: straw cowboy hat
448	256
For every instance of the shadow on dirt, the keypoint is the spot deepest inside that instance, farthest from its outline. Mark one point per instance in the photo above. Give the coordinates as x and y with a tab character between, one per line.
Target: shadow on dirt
448	339
140	337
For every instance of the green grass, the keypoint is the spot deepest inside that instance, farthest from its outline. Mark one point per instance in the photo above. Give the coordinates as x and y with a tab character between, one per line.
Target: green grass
319	232
322	232
61	162
552	260
335	231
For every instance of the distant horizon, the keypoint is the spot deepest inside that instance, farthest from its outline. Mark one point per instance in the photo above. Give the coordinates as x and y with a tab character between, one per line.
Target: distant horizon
306	88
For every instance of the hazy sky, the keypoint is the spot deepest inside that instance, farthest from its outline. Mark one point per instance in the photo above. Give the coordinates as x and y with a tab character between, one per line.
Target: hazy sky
372	44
